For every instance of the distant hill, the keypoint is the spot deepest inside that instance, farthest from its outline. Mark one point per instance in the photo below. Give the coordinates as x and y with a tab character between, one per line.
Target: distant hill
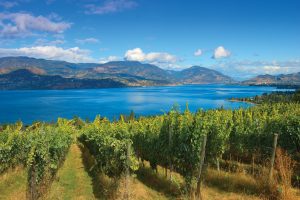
132	73
129	73
42	66
134	68
23	79
202	75
282	79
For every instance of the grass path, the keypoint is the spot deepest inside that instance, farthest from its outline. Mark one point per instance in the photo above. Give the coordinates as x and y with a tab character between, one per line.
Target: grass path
13	184
72	181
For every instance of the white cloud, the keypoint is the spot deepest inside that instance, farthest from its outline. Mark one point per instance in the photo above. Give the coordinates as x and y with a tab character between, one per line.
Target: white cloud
23	24
54	16
269	69
173	66
246	69
137	54
74	54
87	41
109	59
110	6
8	4
44	42
198	52
221	52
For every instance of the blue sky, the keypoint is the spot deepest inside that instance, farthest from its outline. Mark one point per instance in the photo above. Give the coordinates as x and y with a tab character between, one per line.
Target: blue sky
241	38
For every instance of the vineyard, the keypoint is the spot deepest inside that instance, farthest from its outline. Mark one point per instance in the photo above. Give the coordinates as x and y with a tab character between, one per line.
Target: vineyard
179	144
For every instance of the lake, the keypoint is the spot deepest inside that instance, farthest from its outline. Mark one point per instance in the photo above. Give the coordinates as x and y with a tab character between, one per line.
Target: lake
48	105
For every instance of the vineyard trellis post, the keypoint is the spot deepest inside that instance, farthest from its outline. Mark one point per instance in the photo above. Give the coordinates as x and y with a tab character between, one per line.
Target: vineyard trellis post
198	192
253	163
273	157
166	172
170	150
32	183
127	172
218	164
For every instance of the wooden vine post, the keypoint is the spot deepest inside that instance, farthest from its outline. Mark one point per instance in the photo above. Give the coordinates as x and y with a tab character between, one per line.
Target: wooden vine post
253	163
202	154
273	157
170	149
127	195
32	193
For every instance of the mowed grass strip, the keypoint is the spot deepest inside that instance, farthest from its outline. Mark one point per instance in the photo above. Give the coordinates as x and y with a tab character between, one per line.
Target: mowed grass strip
72	181
13	184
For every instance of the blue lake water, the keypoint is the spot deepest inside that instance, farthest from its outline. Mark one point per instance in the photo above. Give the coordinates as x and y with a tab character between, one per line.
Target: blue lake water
48	105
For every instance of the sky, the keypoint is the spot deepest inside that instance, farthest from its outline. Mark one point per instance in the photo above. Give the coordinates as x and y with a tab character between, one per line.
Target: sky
241	38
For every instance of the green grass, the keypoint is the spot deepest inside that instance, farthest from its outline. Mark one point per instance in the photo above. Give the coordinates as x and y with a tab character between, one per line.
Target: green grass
222	185
105	187
72	181
160	183
13	184
232	182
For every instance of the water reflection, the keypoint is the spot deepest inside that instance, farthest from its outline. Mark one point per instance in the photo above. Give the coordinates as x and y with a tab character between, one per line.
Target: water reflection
47	105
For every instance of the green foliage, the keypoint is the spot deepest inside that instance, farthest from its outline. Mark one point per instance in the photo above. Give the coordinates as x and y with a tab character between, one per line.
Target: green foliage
14	147
274	97
49	145
253	130
40	148
109	144
172	140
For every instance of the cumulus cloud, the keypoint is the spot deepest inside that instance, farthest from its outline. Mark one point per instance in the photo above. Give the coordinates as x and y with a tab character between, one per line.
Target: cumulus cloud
109	59
87	41
137	54
221	52
23	24
198	52
110	6
74	54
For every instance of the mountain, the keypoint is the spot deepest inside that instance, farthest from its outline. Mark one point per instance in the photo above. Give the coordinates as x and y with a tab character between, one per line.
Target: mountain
134	68
202	75
42	66
282	79
132	73
23	79
129	73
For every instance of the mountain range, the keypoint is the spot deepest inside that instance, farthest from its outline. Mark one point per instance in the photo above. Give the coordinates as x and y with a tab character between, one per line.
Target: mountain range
23	79
282	79
126	73
32	73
